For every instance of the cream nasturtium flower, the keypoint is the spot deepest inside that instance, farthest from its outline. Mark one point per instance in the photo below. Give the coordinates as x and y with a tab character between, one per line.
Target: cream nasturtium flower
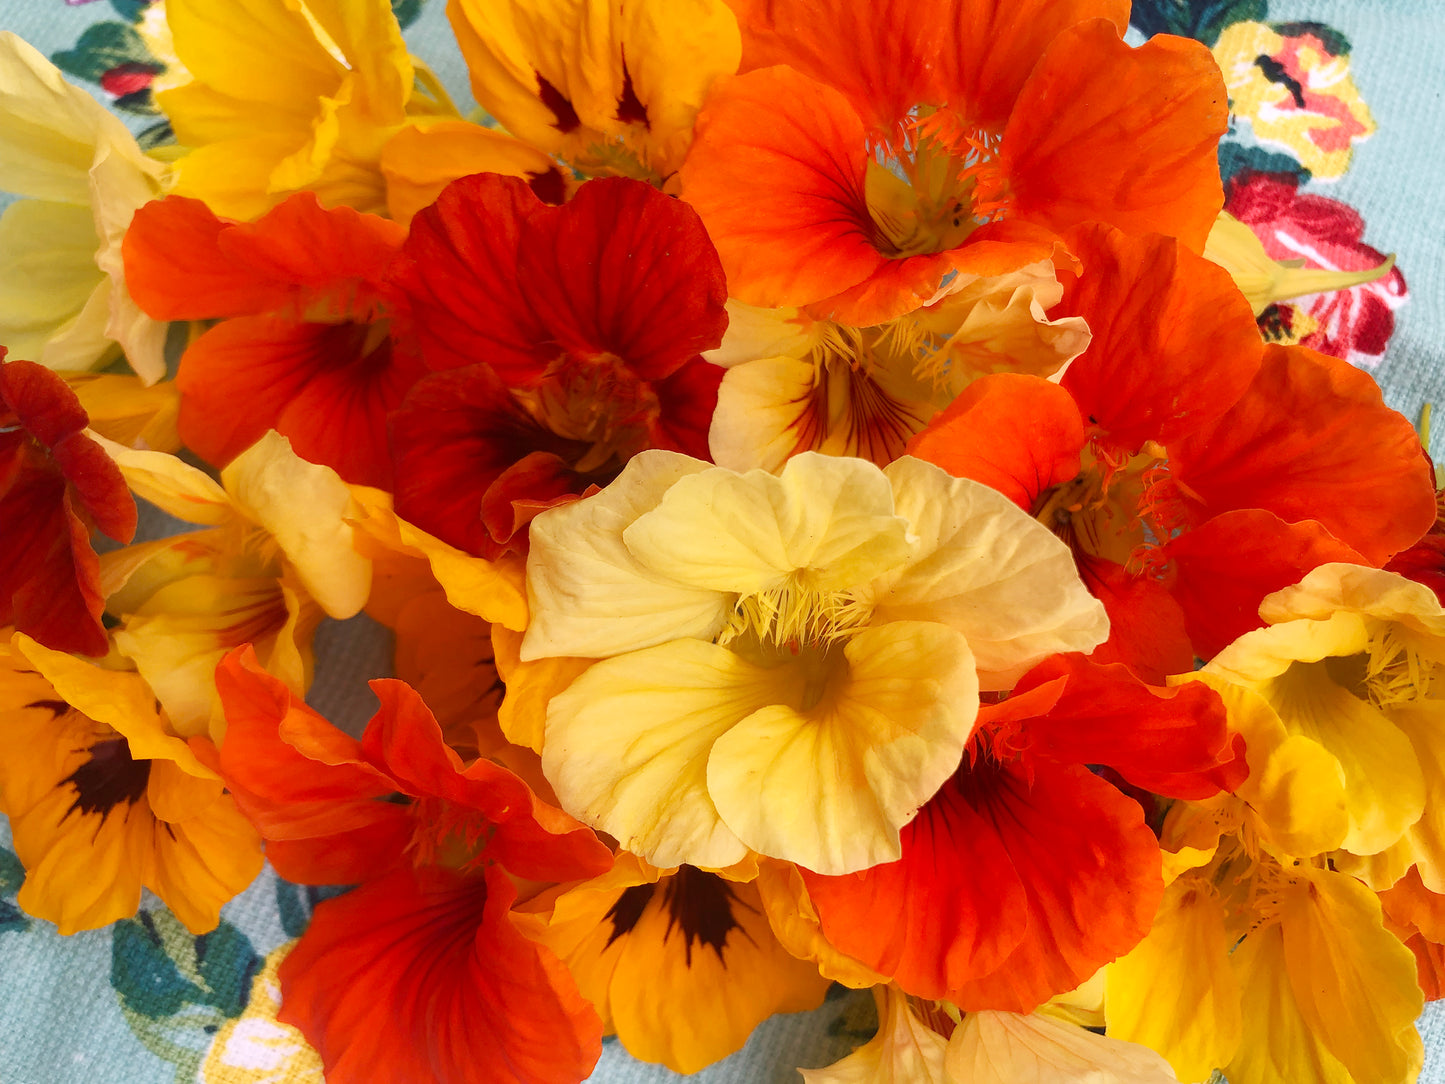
790	664
1347	687
63	299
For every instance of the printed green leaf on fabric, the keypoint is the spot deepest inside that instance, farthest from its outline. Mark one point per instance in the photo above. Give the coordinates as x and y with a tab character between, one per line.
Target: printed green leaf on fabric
1203	20
101	48
12	876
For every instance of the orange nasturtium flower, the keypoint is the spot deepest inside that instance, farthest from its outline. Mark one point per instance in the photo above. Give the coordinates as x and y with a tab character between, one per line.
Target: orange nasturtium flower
104	798
423	972
598	88
790	664
871	148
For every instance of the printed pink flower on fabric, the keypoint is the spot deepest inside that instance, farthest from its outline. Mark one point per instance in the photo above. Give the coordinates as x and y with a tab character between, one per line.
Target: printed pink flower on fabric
1354	324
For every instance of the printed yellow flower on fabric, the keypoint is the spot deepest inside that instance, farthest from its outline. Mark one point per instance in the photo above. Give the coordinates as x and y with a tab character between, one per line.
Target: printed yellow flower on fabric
285	96
63	299
790	663
1295	89
256	1048
276	554
103	798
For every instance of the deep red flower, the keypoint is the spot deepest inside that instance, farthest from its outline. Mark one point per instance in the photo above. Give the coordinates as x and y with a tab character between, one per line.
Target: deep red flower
56	483
565	339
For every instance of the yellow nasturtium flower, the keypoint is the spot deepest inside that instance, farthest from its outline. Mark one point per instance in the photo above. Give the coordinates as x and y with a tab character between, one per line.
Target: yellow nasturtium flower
790	664
276	553
1350	666
63	299
291	95
104	798
611	87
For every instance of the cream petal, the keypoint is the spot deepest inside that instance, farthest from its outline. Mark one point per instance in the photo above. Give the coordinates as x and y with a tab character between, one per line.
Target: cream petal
47	272
987	569
1006	1048
50	129
905	1050
763	408
303	506
825	521
174	487
626	747
755	333
830	786
588	595
1361	590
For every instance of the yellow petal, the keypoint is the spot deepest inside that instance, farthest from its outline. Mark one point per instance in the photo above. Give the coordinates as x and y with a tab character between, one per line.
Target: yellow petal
303	506
1370	591
589	596
1423	844
1353	981
174	487
829	784
530	687
1295	787
795	923
121	699
492	590
762	406
1006	1048
1197	1027
989	570
124	410
627	747
905	1050
50	130
47	275
1262	279
419	161
204	860
826	522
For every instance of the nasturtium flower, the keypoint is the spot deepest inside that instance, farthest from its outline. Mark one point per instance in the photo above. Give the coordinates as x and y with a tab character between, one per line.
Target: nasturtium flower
304	345
564	339
796	384
56	483
104	799
63	295
790	664
869	150
274	555
422	972
1030	868
1277	969
1350	662
1191	469
285	96
681	963
610	87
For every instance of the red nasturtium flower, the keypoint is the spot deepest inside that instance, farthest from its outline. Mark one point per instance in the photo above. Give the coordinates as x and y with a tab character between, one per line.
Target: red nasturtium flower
1192	470
306	349
565	339
864	153
420	973
1026	871
55	485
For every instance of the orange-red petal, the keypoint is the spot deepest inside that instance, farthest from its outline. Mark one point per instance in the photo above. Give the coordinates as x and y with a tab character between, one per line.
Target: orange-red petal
1106	132
1312	439
422	976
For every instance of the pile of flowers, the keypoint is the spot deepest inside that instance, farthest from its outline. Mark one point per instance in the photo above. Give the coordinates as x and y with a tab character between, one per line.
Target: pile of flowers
838	518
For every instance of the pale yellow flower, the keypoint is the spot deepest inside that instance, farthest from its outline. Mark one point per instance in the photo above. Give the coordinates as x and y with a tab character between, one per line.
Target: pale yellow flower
791	663
63	299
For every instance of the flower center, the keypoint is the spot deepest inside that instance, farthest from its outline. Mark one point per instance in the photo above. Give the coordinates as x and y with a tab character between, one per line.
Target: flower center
794	615
597	401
